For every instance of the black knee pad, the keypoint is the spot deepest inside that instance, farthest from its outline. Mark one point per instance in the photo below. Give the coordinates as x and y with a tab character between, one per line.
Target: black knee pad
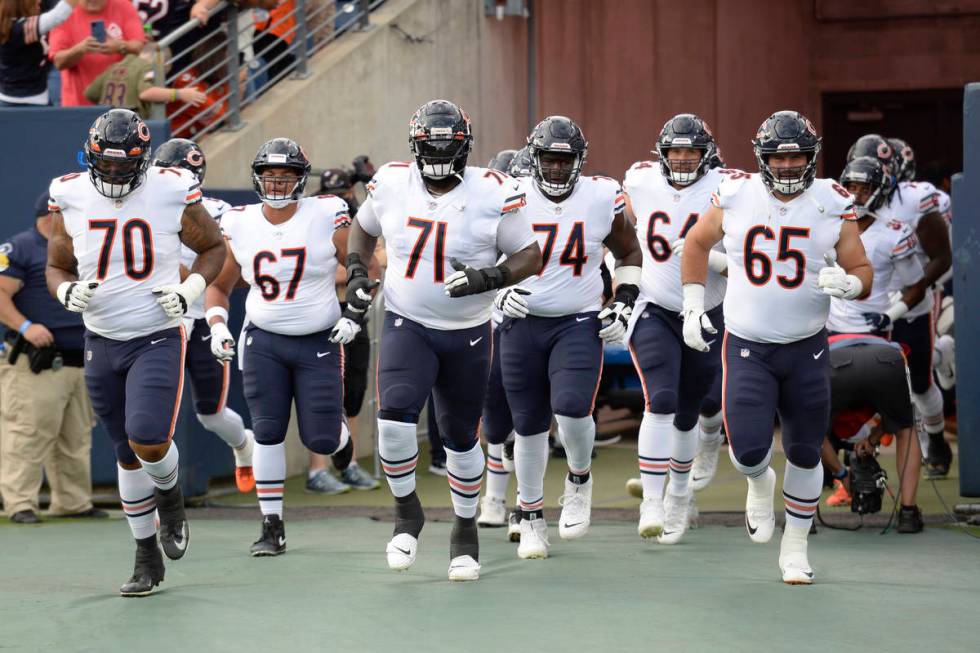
267	432
709	406
124	454
802	455
341	459
685	420
752	457
573	404
663	401
399	397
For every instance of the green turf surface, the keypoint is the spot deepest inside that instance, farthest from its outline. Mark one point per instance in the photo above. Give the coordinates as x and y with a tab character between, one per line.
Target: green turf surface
608	592
611	468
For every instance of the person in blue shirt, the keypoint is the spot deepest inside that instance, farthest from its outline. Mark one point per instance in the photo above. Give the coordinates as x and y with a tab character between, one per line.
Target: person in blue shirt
45	415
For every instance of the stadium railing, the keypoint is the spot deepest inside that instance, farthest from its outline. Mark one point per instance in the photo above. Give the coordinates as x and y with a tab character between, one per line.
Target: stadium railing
231	67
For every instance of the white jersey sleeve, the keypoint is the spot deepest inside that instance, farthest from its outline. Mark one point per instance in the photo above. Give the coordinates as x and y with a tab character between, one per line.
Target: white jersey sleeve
514	231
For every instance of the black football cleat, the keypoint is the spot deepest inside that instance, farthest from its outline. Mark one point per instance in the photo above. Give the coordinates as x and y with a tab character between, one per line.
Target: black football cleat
939	458
174	532
148	571
910	520
272	542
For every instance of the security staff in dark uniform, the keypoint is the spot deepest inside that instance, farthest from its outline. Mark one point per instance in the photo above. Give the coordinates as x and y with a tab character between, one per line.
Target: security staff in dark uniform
45	415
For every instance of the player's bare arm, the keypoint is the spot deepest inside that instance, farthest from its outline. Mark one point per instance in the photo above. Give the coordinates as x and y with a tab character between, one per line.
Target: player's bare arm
705	234
933	235
851	256
340	237
622	241
523	264
62	264
200	232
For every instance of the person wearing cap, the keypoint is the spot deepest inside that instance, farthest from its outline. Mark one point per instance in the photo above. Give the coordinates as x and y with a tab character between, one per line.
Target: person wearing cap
45	415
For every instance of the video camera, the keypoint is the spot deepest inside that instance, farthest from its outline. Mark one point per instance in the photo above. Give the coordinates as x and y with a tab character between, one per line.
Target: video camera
867	484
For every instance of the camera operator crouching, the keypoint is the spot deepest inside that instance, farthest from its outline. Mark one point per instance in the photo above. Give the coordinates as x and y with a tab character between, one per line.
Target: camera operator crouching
869	384
45	414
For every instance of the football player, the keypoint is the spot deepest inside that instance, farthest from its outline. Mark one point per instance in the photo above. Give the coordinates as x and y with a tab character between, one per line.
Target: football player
667	199
210	379
918	205
443	225
782	231
554	325
114	256
286	248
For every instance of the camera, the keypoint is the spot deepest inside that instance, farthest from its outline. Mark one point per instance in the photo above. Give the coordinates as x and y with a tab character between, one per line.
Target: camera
867	485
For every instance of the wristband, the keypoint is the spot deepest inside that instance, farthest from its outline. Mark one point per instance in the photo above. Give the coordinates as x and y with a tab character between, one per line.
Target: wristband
24	327
842	474
897	310
216	311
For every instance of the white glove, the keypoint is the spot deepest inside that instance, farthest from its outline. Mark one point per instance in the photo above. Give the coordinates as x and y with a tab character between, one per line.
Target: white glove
944	360
619	314
717	261
511	302
834	281
222	342
75	295
695	319
344	331
176	299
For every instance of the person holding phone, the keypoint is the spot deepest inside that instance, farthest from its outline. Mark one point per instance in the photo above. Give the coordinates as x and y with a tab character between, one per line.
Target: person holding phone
98	34
23	65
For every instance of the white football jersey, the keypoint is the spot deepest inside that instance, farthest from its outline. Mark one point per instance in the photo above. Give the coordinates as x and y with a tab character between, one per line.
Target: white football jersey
663	215
909	204
570	234
890	247
291	267
775	253
187	255
473	222
130	245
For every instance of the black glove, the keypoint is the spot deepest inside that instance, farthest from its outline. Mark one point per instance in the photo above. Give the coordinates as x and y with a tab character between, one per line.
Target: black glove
878	321
470	281
359	288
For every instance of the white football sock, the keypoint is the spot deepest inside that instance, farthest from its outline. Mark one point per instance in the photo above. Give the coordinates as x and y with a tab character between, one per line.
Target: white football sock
684	444
711	427
801	494
497	478
530	463
136	494
163	472
578	436
399	450
269	469
465	474
227	425
653	448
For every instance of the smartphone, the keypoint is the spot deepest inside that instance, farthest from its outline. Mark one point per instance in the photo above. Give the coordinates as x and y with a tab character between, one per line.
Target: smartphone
98	30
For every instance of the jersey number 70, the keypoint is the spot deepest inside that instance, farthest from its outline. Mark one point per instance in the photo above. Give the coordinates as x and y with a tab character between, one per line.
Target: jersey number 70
135	269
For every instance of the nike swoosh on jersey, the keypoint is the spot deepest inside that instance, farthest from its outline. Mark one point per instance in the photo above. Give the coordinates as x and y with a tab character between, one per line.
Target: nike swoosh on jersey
154	342
473	342
322	354
818	355
205	338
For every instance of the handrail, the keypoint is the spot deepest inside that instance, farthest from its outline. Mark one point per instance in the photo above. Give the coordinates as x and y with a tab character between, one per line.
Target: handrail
219	54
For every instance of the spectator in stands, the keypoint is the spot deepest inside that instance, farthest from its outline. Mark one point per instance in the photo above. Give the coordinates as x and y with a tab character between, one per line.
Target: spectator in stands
274	34
201	8
23	64
45	414
77	51
130	84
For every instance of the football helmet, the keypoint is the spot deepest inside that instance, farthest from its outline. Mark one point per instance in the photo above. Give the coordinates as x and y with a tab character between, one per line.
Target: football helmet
558	135
335	181
866	170
521	165
502	160
903	160
280	153
181	153
440	137
717	159
117	152
787	132
686	130
875	146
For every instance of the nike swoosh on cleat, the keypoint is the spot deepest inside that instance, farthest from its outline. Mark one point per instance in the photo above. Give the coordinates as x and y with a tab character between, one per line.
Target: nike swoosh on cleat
808	574
749	526
571	525
665	533
153	342
398	548
321	354
473	342
697	478
282	541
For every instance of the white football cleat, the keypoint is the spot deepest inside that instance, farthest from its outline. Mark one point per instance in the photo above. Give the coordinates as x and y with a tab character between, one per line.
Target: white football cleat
651	517
693	514
676	511
793	562
576	512
401	551
760	519
463	568
514	526
705	463
534	540
634	488
493	512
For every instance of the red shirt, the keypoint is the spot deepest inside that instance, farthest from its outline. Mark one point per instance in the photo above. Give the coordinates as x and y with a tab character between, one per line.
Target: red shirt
121	22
